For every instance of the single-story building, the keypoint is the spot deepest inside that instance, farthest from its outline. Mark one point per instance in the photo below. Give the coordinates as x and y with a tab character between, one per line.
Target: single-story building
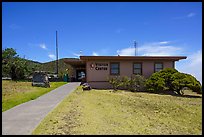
97	69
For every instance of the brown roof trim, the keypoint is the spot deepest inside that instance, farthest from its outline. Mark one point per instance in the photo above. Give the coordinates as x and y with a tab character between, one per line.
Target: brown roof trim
174	58
74	61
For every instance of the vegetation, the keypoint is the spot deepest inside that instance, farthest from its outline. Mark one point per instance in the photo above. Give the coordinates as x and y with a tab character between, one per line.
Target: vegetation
115	82
170	79
15	67
103	112
15	93
182	80
135	83
51	67
20	68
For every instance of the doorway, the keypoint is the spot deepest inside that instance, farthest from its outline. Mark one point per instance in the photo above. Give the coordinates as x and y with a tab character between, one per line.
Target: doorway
80	75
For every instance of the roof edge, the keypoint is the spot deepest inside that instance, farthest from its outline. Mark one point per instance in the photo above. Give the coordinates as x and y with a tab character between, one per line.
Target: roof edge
176	58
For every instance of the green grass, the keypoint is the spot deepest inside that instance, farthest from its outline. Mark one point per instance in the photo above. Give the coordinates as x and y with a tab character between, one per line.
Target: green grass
105	112
15	93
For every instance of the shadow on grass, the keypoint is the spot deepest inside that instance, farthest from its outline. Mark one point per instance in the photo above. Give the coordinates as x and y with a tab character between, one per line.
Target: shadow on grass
172	93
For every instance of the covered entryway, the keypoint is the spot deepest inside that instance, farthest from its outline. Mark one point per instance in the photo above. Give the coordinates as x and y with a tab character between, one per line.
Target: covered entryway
79	70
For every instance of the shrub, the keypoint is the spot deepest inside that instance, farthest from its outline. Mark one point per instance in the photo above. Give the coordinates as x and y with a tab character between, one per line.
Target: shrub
193	84
115	82
171	79
137	83
179	82
166	74
125	82
155	83
182	80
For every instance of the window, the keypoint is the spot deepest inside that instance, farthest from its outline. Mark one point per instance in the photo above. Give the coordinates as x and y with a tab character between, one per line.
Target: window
114	68
137	68
158	67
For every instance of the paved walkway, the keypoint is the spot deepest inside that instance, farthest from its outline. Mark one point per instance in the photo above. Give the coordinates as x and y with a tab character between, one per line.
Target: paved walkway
23	119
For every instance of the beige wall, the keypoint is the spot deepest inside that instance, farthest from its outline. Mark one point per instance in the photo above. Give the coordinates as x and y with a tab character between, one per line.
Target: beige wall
99	78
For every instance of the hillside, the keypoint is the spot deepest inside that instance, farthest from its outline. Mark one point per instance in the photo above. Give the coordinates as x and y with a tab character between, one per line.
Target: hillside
51	66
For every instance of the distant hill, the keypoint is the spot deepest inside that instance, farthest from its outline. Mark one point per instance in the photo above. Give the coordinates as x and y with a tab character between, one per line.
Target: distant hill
31	62
62	66
51	66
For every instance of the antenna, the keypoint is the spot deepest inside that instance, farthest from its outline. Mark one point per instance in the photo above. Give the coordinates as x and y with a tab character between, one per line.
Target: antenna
135	44
56	55
80	52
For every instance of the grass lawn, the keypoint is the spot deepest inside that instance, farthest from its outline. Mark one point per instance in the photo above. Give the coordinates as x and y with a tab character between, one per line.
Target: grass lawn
105	112
15	93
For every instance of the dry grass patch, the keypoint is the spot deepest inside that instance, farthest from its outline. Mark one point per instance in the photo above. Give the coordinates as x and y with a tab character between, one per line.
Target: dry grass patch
105	112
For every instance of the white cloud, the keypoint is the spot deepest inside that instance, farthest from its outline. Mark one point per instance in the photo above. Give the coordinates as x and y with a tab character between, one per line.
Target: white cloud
192	65
126	52
164	42
43	46
191	15
160	50
52	56
94	54
186	16
77	55
152	49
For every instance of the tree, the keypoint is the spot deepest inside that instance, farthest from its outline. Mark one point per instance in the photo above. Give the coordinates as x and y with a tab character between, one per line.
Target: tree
171	79
167	75
13	65
179	82
155	82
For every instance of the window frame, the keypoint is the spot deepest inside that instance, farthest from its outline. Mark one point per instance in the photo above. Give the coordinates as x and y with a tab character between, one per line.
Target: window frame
118	68
137	68
157	68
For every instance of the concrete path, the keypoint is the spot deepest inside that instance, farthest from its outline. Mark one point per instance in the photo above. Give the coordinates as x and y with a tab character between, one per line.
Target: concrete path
23	119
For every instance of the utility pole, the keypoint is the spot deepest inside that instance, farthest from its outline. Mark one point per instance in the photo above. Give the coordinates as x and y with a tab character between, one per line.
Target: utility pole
56	55
135	44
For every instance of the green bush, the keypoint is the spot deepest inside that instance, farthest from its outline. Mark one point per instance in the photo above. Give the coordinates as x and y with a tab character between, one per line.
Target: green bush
179	82
115	82
172	80
193	83
125	82
155	83
137	83
166	74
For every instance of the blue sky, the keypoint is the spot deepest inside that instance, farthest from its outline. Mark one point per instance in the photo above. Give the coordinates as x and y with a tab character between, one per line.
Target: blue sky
105	28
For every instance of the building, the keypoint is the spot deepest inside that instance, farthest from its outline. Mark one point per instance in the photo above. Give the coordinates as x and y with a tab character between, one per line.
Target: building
97	69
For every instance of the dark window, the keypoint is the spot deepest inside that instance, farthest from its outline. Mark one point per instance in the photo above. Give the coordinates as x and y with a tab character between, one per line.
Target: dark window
114	68
137	68
158	67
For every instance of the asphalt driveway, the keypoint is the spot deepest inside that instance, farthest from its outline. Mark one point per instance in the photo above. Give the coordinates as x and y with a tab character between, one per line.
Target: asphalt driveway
22	119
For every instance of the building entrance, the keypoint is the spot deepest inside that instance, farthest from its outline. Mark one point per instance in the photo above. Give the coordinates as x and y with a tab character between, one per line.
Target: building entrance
80	75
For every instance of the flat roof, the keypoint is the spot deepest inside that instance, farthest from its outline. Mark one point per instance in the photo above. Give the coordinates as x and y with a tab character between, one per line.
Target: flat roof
173	58
74	61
